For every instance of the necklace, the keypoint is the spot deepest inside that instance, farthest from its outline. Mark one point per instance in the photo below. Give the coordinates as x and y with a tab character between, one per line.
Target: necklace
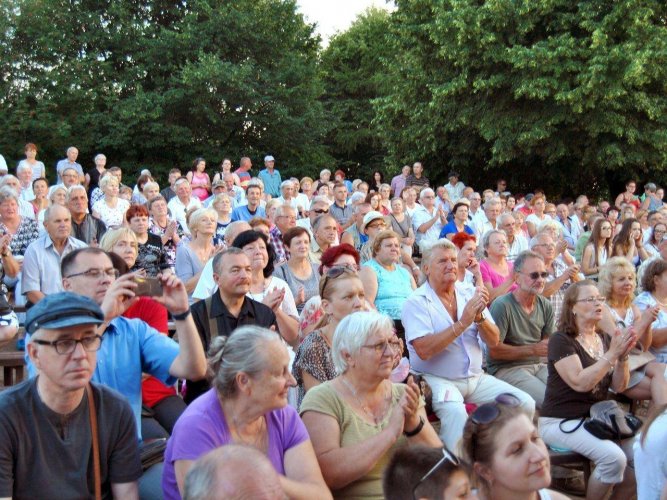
594	351
366	409
450	302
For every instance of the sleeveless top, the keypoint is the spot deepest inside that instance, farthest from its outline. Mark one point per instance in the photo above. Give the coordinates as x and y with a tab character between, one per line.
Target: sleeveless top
625	322
544	494
394	287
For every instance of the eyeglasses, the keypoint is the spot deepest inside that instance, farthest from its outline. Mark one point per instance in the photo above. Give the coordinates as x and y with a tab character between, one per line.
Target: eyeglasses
590	300
548	245
381	347
375	226
447	456
533	276
321	211
67	346
97	273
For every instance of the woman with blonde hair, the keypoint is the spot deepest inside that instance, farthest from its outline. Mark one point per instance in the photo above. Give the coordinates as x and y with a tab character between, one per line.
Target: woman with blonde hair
191	256
110	209
617	285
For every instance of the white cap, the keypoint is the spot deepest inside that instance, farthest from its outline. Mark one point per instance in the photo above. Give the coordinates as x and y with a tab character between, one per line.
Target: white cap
269	158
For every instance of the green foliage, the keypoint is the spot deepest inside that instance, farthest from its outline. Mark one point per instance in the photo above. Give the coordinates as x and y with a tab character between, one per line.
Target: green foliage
545	92
158	82
352	76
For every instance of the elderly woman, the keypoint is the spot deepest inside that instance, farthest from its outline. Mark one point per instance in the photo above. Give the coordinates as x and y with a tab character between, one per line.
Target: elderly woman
400	222
299	272
266	288
342	255
629	242
598	249
583	364
358	419
222	204
617	286
247	404
22	230
110	209
167	229
341	293
538	204
496	270
192	255
509	459
151	255
468	266
654	284
386	282
459	224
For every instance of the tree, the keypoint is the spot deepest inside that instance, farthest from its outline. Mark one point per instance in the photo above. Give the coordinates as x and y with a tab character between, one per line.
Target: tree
545	92
161	81
352	75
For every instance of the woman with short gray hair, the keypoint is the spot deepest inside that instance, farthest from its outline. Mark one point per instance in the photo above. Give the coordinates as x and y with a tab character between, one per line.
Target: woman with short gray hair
249	372
357	420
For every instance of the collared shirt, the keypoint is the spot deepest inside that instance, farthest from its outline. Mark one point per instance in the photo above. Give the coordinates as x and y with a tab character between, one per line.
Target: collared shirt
276	239
129	349
341	214
90	229
41	266
481	225
271	181
65	163
242	212
432	234
572	233
398	184
251	313
178	209
518	245
26	209
456	191
424	314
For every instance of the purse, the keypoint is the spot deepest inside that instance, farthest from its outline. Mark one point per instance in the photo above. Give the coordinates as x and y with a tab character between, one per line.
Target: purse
607	421
639	358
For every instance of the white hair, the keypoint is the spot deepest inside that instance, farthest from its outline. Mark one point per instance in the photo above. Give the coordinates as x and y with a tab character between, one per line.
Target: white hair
75	187
426	191
353	332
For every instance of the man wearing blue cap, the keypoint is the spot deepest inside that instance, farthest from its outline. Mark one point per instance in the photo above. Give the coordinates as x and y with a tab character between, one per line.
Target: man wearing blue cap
46	422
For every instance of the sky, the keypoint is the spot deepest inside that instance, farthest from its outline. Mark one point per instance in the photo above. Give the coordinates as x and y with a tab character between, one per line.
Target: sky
335	15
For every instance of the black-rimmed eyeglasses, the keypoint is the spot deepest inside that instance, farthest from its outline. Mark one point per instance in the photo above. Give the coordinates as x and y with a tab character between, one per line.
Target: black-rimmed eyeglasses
67	346
96	273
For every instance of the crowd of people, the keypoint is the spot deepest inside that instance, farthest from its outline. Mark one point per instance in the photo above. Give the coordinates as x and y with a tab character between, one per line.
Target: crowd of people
347	338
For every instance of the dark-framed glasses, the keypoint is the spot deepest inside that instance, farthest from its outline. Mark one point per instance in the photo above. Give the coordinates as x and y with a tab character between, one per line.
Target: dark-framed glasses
91	343
97	273
533	276
447	456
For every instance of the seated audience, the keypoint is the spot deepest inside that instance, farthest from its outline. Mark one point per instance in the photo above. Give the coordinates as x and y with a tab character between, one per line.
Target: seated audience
111	208
85	227
192	255
654	286
151	257
649	456
299	272
598	249
497	271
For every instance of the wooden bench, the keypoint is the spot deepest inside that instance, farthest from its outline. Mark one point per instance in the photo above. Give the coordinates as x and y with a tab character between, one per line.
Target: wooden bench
13	365
571	460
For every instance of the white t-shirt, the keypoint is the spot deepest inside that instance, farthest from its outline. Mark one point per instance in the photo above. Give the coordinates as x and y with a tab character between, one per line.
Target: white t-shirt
536	220
651	460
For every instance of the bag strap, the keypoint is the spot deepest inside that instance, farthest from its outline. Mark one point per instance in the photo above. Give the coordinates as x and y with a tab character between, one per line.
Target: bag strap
92	413
581	422
212	323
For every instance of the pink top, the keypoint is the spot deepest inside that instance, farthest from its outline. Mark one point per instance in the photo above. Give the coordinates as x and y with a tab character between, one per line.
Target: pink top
490	275
199	183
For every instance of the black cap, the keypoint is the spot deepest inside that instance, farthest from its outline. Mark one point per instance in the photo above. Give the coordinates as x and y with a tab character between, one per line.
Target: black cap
63	309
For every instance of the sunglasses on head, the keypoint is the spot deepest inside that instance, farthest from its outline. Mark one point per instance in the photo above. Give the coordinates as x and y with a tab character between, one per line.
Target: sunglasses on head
488	412
336	272
447	456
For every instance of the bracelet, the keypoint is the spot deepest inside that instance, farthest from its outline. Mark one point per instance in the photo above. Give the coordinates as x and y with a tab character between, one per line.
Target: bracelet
416	430
607	360
182	316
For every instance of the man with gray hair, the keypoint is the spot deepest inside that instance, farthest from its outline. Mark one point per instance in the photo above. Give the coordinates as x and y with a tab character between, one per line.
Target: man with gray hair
354	235
70	161
85	227
525	321
446	322
287	194
285	219
318	205
24	175
70	177
488	220
428	220
233	472
41	265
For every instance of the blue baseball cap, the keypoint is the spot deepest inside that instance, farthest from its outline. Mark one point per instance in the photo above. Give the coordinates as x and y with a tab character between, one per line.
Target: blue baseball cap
63	309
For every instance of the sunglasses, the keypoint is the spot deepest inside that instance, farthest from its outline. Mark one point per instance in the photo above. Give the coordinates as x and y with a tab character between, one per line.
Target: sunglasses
447	456
321	211
488	412
336	272
535	275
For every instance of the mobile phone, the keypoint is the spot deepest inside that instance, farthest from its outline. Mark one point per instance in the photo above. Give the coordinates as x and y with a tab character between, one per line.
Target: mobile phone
148	287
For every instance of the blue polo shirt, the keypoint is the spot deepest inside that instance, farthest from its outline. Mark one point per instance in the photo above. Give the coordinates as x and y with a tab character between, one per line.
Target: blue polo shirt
242	213
271	182
130	348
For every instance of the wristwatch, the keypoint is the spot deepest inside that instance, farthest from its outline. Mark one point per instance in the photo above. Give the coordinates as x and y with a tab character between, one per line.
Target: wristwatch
482	318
